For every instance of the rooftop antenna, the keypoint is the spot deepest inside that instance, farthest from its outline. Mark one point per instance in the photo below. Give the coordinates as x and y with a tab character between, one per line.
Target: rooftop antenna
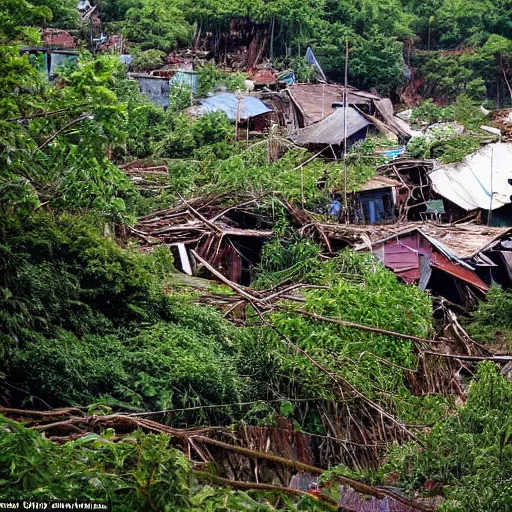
345	106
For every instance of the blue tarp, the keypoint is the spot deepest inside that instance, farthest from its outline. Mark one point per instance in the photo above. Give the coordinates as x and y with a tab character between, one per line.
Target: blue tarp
185	79
228	103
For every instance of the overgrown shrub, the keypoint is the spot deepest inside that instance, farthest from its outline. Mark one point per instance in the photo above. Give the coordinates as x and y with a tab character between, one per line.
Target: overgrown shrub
82	320
148	60
492	321
360	290
467	457
211	77
140	473
428	113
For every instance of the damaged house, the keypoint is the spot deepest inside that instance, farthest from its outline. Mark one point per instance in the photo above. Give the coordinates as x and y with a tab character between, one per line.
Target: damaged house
57	50
478	187
378	201
229	238
330	131
313	115
458	263
155	88
482	181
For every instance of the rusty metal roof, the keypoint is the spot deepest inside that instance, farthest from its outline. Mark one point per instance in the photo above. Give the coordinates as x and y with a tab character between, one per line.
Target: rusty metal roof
380	182
57	37
315	100
463	240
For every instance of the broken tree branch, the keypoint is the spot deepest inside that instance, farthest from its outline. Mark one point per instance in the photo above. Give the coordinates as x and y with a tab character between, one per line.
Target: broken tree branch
253	486
499	358
362	327
225	280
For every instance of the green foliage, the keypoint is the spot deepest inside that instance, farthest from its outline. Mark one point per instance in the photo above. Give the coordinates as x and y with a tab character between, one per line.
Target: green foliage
61	159
448	150
492	321
115	10
210	77
468	456
64	12
446	76
141	472
467	113
15	18
429	113
156	24
303	71
188	134
358	290
376	62
84	320
442	141
454	149
148	60
145	124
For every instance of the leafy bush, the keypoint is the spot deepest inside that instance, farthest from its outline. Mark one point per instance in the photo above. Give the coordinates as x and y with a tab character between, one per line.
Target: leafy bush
428	112
148	60
156	24
210	77
84	320
359	290
492	321
188	135
302	70
454	149
141	472
468	113
145	125
467	457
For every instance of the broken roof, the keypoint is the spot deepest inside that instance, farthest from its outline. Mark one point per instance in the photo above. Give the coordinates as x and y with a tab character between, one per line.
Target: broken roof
380	182
315	100
462	241
404	254
398	126
228	103
57	37
471	183
330	130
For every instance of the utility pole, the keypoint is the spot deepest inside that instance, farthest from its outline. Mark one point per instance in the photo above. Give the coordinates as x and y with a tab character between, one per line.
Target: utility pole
489	217
239	105
345	111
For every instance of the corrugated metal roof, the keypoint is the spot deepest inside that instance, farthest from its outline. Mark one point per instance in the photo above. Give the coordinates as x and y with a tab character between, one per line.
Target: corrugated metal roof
228	103
380	182
315	100
470	183
331	129
463	240
402	254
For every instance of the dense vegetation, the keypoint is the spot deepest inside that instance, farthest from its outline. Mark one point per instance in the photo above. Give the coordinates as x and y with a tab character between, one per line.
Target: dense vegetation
461	47
85	320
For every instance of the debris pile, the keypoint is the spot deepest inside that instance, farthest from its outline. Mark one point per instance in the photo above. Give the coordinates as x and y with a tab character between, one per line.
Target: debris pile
502	119
148	177
229	237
